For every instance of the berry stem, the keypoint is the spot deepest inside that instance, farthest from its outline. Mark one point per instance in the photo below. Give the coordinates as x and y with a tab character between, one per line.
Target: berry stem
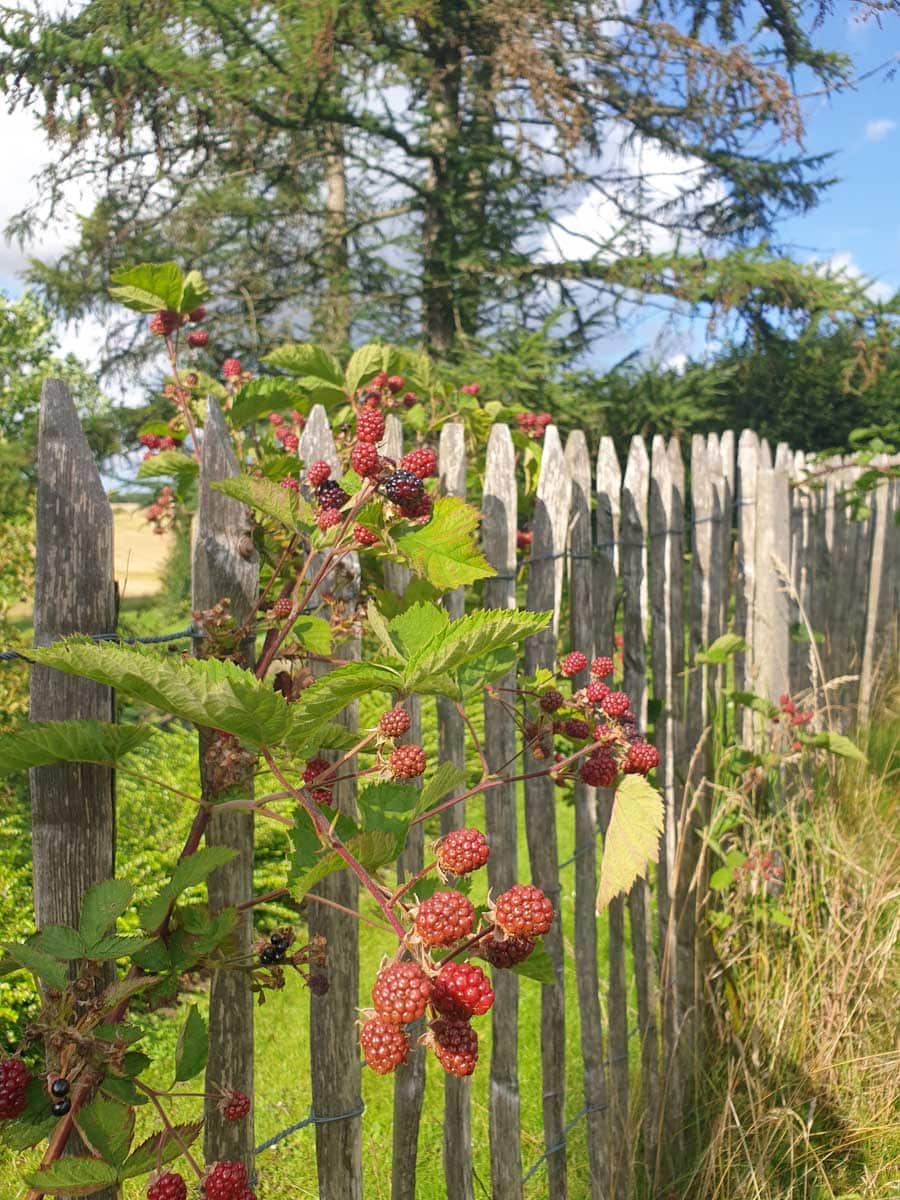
279	892
169	1127
410	883
323	828
245	627
184	405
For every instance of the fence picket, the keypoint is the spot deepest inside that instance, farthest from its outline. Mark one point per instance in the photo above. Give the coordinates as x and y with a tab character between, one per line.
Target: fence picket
606	532
550	525
586	969
334	1050
771	621
498	534
226	566
633	556
880	504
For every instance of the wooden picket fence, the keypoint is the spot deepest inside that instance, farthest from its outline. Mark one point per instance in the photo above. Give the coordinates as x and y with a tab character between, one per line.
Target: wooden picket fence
747	547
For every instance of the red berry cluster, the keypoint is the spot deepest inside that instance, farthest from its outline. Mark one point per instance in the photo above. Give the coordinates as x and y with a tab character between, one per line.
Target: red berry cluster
161	512
14	1079
234	1106
533	424
167	1187
226	1181
795	716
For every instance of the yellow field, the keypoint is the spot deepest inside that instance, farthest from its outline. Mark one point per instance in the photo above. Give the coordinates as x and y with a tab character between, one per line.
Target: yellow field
139	552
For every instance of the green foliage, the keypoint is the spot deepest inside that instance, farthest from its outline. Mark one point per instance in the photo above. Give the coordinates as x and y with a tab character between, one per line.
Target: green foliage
444	551
42	743
149	287
632	839
193	1046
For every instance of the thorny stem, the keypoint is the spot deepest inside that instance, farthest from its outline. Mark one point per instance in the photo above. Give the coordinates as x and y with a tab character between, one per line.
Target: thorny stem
410	883
323	828
184	405
245	625
60	1136
279	892
169	1127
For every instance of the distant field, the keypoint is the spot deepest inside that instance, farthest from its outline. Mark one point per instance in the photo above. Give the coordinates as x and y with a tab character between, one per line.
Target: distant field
140	553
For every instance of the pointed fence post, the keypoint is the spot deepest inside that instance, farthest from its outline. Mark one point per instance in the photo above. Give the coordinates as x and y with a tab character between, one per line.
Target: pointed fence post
226	567
73	821
745	574
498	534
334	1048
633	557
581	607
606	534
551	516
771	620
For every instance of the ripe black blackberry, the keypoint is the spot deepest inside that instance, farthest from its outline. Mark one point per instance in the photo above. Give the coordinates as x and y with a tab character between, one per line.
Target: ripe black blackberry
330	494
403	488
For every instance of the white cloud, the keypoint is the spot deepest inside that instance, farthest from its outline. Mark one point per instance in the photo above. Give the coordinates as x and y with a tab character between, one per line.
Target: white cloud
844	264
877	130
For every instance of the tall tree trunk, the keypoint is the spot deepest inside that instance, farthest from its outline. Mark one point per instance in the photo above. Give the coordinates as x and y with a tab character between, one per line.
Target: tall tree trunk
334	315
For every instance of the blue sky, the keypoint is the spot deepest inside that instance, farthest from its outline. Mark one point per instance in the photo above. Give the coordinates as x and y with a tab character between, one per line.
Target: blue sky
855	228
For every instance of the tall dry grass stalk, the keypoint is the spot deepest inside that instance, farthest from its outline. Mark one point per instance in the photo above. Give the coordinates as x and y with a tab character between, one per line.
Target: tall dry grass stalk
801	1096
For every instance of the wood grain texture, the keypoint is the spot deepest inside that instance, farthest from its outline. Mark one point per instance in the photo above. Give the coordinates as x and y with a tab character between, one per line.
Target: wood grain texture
73	821
633	542
581	608
225	566
545	578
334	1048
498	535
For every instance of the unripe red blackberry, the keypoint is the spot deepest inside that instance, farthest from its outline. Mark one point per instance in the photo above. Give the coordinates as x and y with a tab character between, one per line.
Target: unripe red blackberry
394	723
385	1046
600	769
235	1106
167	1187
552	700
470	389
369	425
231	368
394	383
576	728
443	918
276	419
602	667
164	322
363	536
409	399
196	315
282	608
596	692
291	442
364	459
401	992
524	538
573	663
462	990
317	472
290	484
198	338
455	1044
415	509
379	380
407	762
330	494
506	952
314	768
461	851
422	462
14	1079
225	1181
616	704
641	759
327	518
403	488
523	911
281	432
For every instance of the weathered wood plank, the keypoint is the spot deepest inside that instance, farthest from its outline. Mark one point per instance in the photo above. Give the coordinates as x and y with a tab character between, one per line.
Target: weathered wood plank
581	608
880	505
606	532
225	566
73	816
498	535
745	568
633	541
551	514
334	1050
771	621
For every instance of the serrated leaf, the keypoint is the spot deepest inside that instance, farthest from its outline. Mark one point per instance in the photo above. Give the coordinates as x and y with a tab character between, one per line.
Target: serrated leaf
102	904
758	703
208	692
446	779
419	625
379	626
42	743
122	1090
59	941
108	1128
169	464
632	839
538	966
486	669
73	1177
217	930
722	649
260	397
313	633
388	807
835	743
163	1147
109	948
444	551
265	496
331	694
192	1049
469	638
365	362
192	870
317	370
135	1062
194	292
149	287
38	963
